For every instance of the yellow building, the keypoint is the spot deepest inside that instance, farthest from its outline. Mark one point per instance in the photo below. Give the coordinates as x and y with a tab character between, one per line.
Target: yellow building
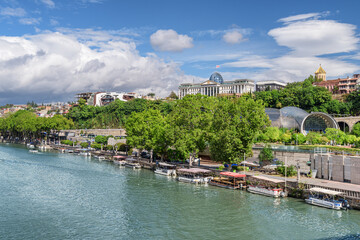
320	74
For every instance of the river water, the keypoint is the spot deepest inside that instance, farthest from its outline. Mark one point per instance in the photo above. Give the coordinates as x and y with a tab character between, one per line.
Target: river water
64	196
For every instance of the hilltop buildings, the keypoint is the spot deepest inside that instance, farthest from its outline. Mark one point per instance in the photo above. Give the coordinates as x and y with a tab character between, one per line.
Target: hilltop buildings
340	85
104	98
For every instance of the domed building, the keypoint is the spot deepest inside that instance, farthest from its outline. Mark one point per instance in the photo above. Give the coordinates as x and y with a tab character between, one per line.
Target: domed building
216	77
217	86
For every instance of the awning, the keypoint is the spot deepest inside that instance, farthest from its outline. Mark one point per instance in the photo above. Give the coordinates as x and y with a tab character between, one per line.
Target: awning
232	174
120	157
325	191
166	164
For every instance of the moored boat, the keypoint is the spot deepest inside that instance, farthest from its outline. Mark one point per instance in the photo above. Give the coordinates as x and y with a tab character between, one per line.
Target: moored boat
119	160
85	152
194	175
270	192
132	163
326	198
166	169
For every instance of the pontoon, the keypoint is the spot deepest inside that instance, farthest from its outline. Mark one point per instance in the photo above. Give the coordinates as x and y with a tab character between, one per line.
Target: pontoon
194	175
326	198
166	169
119	160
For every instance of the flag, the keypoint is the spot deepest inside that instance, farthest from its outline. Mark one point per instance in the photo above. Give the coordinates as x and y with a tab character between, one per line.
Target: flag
217	66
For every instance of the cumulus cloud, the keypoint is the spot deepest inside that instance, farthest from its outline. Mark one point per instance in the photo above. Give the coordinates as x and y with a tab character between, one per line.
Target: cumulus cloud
54	65
13	12
48	3
233	37
308	39
170	41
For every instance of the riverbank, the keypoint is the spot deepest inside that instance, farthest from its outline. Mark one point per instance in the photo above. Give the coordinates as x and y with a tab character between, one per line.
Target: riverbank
295	188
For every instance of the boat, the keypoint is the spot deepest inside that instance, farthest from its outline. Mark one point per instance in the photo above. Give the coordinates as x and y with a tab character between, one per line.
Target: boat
30	146
132	163
194	175
327	198
100	158
33	151
270	192
166	169
229	180
119	160
267	191
84	152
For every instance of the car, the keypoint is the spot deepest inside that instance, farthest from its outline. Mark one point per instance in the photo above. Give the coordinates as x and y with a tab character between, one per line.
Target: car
145	155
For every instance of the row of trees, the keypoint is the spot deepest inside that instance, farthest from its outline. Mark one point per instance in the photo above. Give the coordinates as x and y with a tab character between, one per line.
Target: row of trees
25	124
227	126
310	98
113	115
331	135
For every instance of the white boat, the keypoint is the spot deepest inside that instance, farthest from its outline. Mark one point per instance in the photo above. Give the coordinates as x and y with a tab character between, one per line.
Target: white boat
85	152
30	146
194	175
326	198
33	151
132	163
166	169
270	192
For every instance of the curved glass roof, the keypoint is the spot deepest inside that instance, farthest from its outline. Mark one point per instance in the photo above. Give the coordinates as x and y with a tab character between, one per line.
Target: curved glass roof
297	118
216	77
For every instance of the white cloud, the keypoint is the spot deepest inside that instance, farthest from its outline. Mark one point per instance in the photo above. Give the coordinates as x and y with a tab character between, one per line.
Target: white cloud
13	12
316	37
29	21
55	64
309	40
48	3
171	41
300	17
233	37
54	22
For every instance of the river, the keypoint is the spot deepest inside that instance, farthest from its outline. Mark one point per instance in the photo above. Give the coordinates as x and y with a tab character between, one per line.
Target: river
64	196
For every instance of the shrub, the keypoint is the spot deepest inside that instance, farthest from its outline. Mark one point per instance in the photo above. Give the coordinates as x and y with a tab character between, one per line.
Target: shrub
67	142
96	145
221	167
84	144
290	170
266	155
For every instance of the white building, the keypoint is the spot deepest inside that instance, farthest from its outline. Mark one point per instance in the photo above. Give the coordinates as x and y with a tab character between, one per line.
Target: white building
217	86
104	98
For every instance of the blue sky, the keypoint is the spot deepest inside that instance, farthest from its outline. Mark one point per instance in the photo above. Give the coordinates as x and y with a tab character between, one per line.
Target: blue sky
51	49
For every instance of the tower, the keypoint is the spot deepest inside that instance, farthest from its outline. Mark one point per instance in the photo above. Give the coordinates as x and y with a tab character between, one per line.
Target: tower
320	74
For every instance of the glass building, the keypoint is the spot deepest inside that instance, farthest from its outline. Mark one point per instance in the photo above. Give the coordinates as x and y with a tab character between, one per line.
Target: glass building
297	118
216	77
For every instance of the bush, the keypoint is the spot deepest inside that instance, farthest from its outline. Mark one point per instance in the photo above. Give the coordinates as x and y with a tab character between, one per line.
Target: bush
84	144
290	170
221	167
266	155
67	142
241	168
110	147
96	145
121	147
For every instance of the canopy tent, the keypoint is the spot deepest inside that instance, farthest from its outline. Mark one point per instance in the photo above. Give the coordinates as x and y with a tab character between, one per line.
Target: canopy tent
232	174
325	191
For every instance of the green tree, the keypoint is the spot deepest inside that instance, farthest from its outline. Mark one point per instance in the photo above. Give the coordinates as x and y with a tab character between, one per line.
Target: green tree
335	135
235	125
190	123
266	155
356	130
